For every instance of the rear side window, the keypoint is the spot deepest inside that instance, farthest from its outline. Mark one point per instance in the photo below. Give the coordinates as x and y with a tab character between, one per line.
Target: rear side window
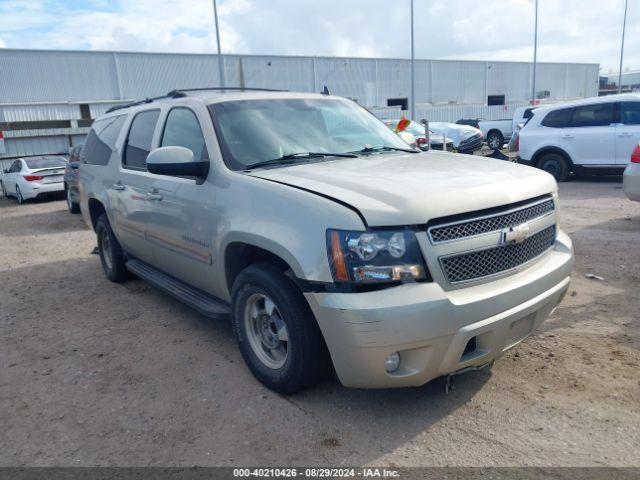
630	113
597	115
557	118
101	140
528	113
182	129
138	143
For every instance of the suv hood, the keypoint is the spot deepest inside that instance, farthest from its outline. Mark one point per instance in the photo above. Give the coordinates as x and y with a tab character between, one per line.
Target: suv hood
411	189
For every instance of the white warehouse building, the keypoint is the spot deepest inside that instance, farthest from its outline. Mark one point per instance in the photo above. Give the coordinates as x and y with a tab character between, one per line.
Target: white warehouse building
48	99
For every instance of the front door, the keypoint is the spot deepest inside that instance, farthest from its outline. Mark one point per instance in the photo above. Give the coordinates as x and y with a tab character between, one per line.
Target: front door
131	193
627	131
181	226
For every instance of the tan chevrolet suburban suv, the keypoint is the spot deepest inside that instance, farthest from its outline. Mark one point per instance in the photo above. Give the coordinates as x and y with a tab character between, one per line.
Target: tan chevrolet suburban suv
324	238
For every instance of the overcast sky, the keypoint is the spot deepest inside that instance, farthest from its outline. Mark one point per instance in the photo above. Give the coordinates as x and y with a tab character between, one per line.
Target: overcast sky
569	30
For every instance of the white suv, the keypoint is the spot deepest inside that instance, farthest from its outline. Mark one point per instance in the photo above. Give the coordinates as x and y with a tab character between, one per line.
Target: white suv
595	135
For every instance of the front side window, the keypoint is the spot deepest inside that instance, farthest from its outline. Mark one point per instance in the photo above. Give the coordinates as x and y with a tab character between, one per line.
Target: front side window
182	129
254	131
630	113
557	118
139	140
597	115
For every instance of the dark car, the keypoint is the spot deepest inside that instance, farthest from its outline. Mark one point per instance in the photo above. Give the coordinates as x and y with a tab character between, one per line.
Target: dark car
71	179
472	122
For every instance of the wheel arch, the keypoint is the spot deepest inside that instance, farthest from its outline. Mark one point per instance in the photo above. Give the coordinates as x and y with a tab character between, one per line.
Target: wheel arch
96	209
535	159
240	253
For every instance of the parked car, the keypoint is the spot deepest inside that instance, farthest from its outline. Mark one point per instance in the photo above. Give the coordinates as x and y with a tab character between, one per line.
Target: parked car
594	135
465	139
34	177
71	179
312	226
631	176
497	132
417	130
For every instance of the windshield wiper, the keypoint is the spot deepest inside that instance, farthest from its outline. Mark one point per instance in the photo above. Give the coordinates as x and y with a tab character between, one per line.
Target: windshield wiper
294	157
384	148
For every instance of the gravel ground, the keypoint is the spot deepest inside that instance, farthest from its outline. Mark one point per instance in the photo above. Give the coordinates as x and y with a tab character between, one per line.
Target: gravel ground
94	373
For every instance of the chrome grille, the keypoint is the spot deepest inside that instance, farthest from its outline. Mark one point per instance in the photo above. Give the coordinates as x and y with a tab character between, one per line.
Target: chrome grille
488	224
484	263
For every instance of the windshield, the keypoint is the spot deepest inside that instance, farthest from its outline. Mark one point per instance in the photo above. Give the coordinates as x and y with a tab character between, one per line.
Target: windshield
255	131
45	162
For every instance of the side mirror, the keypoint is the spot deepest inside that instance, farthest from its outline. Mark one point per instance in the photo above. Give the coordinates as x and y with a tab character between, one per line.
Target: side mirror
408	138
175	161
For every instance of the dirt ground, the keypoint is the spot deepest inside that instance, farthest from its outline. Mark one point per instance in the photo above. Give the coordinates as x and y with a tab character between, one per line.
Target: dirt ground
94	373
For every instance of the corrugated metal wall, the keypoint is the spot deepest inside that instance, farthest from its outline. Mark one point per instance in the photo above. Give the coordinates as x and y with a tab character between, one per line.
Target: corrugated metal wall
50	85
56	76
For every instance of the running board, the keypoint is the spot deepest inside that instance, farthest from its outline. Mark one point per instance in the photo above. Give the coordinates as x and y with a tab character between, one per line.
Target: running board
196	299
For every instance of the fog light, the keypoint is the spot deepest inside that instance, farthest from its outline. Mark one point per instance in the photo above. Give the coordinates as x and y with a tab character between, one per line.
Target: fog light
392	362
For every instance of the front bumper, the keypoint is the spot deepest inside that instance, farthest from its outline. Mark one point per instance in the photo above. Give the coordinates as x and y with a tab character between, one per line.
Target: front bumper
431	327
631	181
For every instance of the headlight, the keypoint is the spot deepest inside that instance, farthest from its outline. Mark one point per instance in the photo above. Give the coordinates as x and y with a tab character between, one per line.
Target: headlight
375	256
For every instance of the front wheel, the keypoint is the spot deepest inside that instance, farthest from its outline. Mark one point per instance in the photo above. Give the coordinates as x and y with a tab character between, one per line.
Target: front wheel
276	331
495	140
556	165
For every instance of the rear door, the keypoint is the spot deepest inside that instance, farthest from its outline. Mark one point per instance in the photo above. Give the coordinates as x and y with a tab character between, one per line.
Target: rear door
627	131
590	138
181	225
132	190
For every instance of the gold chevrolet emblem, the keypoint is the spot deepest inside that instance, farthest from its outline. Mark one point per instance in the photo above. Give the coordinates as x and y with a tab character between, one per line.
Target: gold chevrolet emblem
517	234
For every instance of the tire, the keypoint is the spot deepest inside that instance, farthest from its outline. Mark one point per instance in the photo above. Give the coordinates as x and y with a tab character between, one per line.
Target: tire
495	140
19	196
111	254
71	205
302	357
4	190
556	165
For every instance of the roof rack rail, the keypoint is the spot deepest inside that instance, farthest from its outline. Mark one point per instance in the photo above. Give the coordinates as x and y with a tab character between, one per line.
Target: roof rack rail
179	93
143	101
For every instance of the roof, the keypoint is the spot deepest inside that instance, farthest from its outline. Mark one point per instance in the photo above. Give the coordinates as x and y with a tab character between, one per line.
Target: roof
590	101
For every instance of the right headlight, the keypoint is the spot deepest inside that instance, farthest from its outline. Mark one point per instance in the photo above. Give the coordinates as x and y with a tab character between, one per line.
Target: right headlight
375	256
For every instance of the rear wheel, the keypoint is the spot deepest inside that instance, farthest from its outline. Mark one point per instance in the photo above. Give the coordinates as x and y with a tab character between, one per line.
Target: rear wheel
71	205
19	196
111	254
556	165
495	140
276	331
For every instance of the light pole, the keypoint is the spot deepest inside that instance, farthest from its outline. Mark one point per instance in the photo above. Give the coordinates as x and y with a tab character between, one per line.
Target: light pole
412	110
223	81
535	53
624	26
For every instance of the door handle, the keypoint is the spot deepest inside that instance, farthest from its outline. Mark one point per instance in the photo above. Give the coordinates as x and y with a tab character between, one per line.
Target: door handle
154	196
567	136
118	186
624	134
